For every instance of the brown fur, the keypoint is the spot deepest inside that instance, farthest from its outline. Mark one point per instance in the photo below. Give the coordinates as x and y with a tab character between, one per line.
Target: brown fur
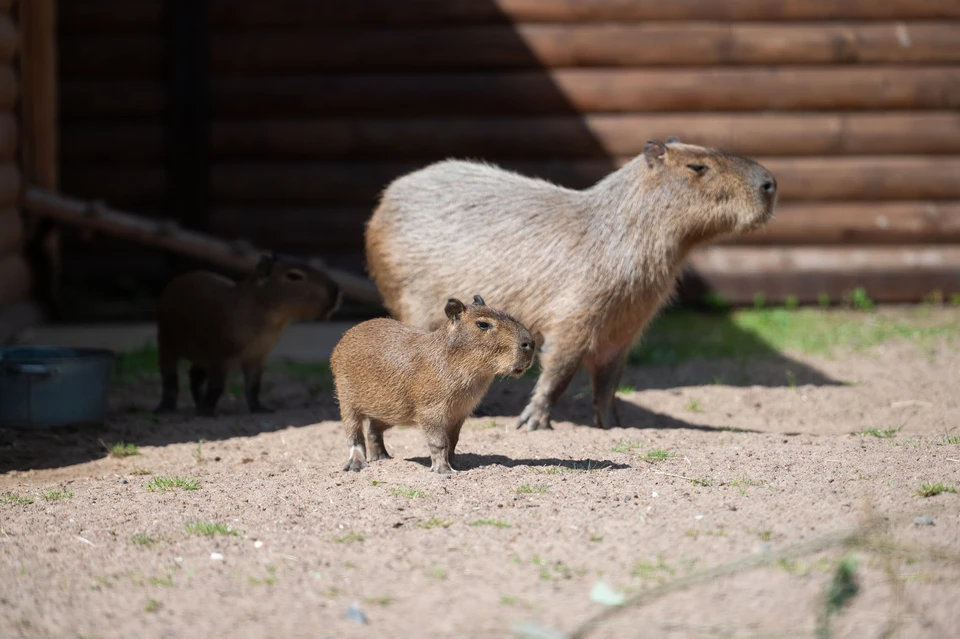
587	269
216	324
390	374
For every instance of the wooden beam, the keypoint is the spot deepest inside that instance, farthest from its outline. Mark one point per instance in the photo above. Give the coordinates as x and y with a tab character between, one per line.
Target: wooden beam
548	46
238	256
800	179
889	274
914	132
569	91
309	13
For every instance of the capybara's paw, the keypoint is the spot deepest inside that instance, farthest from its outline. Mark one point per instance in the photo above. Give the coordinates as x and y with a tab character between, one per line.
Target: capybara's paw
379	456
534	420
164	409
355	465
260	409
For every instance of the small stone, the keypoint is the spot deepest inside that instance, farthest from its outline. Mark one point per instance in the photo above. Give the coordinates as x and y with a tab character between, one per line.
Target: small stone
258	544
698	517
215	556
923	521
655	494
354	613
123	480
764	548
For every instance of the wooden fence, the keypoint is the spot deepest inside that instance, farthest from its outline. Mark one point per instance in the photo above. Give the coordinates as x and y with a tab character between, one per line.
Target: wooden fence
306	110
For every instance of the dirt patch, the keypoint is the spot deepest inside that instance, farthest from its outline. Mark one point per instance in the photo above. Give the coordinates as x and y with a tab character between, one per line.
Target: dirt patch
256	531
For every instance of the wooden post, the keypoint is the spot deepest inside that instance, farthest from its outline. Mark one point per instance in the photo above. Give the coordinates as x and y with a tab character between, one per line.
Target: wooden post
37	21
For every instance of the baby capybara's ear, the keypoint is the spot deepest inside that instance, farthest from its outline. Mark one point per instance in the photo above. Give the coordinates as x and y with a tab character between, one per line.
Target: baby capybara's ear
478	300
454	309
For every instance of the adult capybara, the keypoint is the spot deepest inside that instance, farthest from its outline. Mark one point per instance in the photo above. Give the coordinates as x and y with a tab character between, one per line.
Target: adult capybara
216	324
586	268
390	374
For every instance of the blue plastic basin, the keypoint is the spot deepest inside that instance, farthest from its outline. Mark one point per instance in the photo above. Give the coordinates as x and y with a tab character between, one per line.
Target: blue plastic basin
47	386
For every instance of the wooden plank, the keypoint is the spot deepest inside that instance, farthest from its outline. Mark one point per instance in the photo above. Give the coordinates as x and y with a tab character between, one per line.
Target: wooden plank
538	46
112	55
105	142
590	90
321	228
800	179
849	223
308	13
11	231
111	15
551	136
88	99
889	274
15	279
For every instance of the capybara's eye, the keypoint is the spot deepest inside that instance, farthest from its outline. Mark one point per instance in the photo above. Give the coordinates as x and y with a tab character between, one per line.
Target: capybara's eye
483	325
699	169
295	276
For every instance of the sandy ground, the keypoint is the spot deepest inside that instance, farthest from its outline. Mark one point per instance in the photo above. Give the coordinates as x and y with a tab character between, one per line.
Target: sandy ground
524	534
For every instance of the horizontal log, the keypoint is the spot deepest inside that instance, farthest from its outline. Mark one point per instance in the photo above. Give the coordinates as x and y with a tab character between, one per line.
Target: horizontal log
303	13
859	223
9	134
89	99
889	274
110	15
167	235
539	46
15	279
324	229
97	55
11	231
588	90
817	178
543	137
9	39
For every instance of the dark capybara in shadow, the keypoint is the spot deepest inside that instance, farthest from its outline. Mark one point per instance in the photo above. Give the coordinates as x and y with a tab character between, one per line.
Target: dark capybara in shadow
390	374
217	324
586	268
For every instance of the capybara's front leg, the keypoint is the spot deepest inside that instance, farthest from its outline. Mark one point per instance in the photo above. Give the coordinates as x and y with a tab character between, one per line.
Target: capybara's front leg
373	432
216	380
558	364
353	426
605	377
171	385
198	378
453	436
440	450
252	375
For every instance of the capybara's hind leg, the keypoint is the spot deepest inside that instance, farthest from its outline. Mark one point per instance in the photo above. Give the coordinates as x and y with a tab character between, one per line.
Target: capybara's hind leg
171	385
604	377
216	380
252	374
353	426
453	436
439	444
198	378
558	363
373	432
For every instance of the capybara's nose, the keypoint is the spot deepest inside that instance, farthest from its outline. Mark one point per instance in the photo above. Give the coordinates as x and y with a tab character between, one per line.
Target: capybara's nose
526	346
768	185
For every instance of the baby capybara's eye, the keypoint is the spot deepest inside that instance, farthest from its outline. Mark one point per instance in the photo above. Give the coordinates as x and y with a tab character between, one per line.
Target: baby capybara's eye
483	325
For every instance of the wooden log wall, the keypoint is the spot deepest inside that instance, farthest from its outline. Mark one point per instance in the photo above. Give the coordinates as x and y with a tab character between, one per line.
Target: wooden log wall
15	274
316	106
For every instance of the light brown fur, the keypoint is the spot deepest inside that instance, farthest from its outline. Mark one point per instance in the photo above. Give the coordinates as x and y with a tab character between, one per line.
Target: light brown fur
216	323
587	269
391	374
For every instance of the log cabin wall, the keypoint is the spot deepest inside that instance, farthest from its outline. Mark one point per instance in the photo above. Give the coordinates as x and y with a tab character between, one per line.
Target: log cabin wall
315	106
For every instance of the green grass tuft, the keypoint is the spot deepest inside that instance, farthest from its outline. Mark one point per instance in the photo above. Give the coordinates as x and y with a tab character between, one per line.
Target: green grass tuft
658	455
535	489
161	484
491	522
209	529
120	450
626	389
705	482
694	406
15	499
434	522
350	538
409	493
932	490
143	540
56	495
135	364
886	433
626	446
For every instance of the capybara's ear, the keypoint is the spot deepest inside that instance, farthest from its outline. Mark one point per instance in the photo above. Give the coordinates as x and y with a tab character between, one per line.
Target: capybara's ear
265	266
454	309
654	151
672	139
538	339
478	300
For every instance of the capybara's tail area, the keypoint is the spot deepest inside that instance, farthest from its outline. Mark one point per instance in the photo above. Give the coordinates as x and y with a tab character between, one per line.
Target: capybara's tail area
379	264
